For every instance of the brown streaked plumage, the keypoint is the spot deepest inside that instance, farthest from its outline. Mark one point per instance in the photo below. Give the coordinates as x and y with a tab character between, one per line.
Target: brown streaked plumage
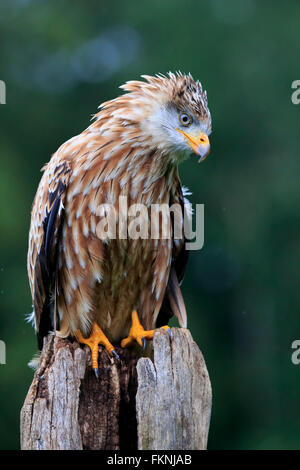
132	149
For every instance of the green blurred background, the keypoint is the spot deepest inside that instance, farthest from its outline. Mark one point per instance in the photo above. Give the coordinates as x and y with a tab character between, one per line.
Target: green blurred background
59	60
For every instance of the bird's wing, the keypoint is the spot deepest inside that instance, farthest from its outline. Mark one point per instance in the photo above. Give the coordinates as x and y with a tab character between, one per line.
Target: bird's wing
46	218
173	303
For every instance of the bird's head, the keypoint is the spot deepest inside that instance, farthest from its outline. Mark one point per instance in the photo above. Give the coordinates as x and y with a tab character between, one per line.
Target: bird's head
166	113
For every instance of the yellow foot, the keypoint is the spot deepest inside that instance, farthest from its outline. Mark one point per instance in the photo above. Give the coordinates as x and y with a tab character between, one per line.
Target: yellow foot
138	334
97	337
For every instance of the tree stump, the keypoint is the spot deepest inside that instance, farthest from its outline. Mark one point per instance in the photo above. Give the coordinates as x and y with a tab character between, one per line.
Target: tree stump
141	403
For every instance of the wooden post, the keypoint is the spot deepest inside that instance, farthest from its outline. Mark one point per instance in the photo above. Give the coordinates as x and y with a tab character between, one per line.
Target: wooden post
163	403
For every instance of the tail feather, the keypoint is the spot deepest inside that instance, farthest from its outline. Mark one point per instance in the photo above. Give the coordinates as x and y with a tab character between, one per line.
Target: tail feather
176	299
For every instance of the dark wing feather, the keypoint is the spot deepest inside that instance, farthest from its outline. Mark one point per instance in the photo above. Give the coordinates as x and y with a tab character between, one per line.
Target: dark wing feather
173	303
46	220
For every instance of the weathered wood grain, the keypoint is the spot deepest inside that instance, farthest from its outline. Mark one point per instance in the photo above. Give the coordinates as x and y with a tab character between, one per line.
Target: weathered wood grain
67	408
173	401
163	403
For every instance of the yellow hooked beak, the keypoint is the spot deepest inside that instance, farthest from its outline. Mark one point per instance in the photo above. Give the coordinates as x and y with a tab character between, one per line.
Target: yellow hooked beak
199	143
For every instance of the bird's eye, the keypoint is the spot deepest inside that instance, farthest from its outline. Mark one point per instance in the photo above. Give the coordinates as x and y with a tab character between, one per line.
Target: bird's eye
185	119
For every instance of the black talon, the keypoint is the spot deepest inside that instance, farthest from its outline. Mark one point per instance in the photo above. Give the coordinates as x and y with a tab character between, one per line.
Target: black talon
96	373
144	342
116	355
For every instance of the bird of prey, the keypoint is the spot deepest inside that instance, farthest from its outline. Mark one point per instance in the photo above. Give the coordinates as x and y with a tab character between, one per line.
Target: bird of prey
103	291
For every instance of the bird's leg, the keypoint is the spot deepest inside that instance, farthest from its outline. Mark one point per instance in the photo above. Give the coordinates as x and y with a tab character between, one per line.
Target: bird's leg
97	337
138	334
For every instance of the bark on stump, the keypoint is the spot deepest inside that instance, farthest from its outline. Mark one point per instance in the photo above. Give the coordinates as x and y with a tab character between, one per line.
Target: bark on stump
163	403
